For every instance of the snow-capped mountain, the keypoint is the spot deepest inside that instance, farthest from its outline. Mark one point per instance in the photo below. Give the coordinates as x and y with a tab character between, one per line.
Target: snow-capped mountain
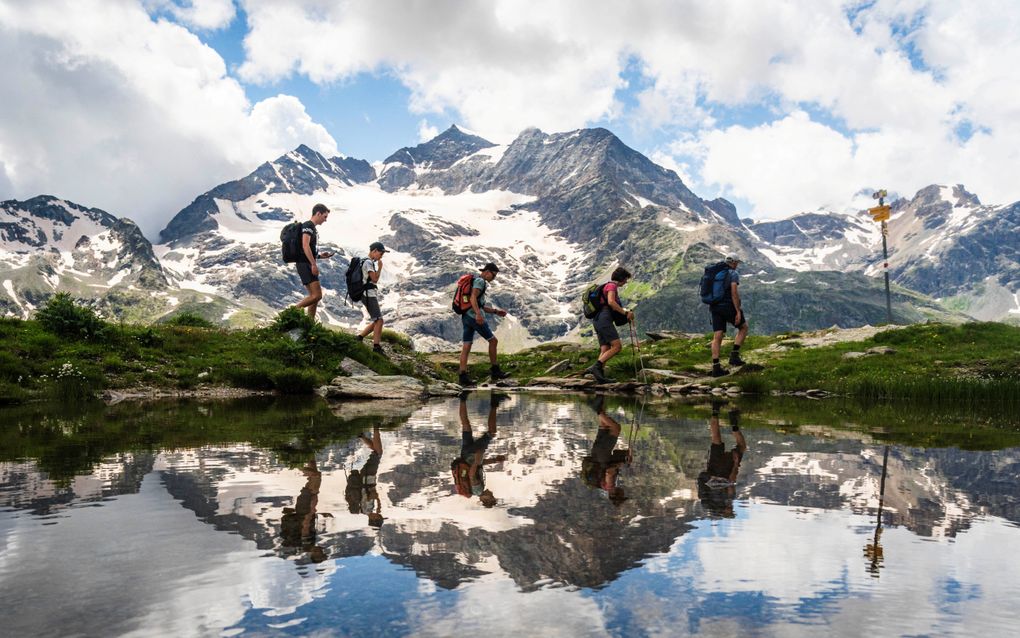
51	245
943	242
554	211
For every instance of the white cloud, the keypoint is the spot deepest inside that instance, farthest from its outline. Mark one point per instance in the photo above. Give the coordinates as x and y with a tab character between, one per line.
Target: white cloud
202	14
115	110
426	131
508	64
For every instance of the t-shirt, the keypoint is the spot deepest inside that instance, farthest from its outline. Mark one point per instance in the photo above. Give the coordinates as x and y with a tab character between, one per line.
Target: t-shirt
480	285
728	293
308	228
606	310
367	266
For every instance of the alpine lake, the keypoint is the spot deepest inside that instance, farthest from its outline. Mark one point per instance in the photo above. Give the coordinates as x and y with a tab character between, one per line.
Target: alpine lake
273	517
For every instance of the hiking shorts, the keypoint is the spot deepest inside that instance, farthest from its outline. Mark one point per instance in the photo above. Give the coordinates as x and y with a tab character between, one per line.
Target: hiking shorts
372	306
724	314
471	327
605	329
469	444
304	270
721	462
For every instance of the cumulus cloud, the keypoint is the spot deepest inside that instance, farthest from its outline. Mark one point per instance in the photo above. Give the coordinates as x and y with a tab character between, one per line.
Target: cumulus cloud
133	115
202	14
889	83
426	131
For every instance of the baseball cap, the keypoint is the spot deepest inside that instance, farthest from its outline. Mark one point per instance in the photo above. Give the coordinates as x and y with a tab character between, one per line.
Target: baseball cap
491	267
377	245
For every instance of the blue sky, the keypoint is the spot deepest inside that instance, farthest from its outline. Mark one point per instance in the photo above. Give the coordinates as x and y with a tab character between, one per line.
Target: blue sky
781	107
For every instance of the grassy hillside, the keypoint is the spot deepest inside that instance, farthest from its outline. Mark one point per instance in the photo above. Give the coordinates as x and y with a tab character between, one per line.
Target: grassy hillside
68	353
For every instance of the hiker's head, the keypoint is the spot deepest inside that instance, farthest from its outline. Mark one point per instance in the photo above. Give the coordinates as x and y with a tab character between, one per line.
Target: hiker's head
621	275
490	271
319	213
732	261
376	250
487	499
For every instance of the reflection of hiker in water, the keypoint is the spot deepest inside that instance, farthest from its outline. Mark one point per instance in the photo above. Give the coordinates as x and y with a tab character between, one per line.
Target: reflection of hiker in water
715	484
361	493
297	526
468	476
602	467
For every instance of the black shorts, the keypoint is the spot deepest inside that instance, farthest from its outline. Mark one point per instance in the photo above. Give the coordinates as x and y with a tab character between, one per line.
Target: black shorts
724	314
304	270
721	462
372	306
469	444
605	329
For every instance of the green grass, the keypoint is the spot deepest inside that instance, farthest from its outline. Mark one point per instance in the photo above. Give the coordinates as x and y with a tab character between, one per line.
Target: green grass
292	356
966	364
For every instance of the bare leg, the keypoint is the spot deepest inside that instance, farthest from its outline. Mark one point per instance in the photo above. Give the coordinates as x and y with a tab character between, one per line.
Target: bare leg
741	334
717	343
611	351
714	425
465	425
465	350
493	344
311	301
377	331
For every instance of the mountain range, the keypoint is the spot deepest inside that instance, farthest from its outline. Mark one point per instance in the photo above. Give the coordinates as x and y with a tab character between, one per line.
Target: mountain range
554	211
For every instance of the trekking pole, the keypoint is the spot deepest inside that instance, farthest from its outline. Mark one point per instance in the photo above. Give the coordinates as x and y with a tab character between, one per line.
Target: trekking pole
637	352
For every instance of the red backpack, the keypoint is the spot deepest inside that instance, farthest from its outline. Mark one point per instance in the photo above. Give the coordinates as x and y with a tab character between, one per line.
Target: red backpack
462	297
461	481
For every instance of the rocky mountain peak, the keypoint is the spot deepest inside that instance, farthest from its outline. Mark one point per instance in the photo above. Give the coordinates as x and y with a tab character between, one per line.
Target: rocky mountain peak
440	152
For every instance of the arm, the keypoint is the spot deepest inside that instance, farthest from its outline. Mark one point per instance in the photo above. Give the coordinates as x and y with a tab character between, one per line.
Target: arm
373	275
306	246
479	317
736	298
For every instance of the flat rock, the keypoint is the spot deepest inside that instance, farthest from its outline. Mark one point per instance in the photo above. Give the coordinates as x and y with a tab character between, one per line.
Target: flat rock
559	366
659	335
881	350
437	388
393	412
355	369
560	382
377	387
854	355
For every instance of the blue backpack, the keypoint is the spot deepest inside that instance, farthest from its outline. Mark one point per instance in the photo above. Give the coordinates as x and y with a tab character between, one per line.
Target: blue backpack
715	282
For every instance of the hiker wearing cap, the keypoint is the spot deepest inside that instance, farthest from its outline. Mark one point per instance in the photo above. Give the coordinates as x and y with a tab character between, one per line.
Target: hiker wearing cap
715	484
473	321
611	313
601	468
371	268
306	267
728	310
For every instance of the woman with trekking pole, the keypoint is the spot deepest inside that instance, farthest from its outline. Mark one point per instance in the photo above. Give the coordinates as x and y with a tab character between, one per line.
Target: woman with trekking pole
611	313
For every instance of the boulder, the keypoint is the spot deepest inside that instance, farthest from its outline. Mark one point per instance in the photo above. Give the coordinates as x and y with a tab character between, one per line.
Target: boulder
374	387
559	382
437	388
355	369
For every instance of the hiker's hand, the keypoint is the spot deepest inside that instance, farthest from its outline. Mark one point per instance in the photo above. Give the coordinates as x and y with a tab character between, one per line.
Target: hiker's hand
500	312
630	316
315	269
479	319
736	319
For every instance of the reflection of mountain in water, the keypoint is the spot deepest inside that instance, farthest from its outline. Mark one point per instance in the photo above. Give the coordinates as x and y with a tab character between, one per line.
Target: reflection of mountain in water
548	525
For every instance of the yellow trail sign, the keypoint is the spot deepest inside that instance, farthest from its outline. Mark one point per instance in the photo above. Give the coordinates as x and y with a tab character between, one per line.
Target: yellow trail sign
880	213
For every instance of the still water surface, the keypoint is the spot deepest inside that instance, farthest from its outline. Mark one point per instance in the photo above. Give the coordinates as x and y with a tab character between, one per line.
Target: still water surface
247	518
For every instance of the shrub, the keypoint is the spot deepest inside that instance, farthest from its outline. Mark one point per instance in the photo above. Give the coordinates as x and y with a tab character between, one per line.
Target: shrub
399	338
11	394
291	318
254	378
62	316
189	319
12	368
295	381
72	385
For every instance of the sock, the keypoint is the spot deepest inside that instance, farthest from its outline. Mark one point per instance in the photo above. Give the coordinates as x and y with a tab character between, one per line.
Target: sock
736	348
715	362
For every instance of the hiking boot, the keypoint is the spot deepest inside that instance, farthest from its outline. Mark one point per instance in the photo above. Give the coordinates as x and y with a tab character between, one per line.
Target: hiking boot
735	359
497	374
464	380
377	348
597	370
719	371
735	419
598	404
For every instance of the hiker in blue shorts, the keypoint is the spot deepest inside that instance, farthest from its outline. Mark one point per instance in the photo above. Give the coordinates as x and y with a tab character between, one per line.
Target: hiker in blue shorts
473	321
728	311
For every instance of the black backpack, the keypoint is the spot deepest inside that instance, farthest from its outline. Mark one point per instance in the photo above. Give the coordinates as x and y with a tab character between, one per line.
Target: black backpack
290	242
355	278
715	282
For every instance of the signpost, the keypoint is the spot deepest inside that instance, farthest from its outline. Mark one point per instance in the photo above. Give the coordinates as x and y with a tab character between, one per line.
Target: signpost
880	213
